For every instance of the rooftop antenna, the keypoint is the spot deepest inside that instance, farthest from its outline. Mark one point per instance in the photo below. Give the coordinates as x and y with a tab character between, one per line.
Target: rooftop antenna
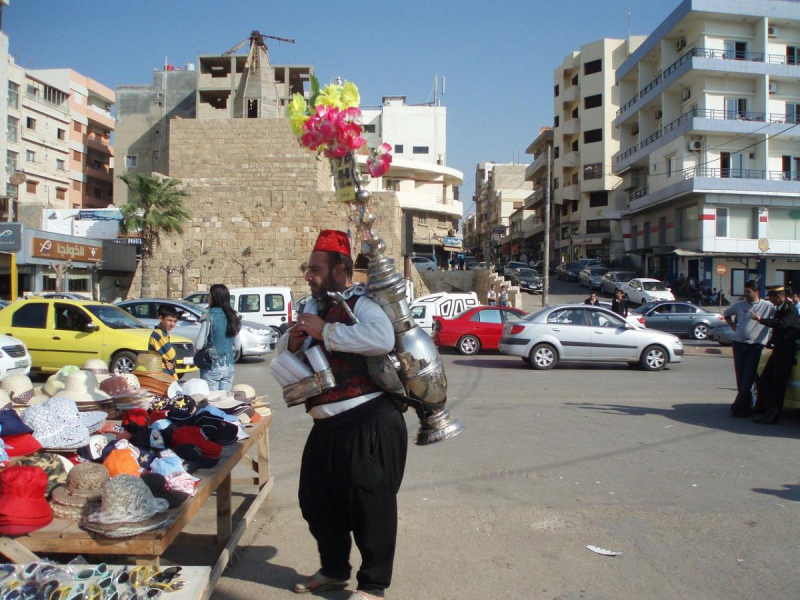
629	20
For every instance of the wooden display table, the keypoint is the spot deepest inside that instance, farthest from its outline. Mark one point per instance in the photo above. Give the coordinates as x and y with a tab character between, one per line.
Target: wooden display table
65	537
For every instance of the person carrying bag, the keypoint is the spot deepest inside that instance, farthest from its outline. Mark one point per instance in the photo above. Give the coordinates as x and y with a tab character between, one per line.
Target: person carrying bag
218	341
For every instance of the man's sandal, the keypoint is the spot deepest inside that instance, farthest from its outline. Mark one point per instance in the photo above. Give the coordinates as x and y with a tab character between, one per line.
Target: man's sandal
319	583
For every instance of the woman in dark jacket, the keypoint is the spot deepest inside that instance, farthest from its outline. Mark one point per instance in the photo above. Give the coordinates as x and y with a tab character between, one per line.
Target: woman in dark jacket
225	325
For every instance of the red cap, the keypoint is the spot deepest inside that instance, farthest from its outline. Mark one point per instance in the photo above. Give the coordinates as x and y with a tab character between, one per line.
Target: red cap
331	240
189	434
23	507
21	445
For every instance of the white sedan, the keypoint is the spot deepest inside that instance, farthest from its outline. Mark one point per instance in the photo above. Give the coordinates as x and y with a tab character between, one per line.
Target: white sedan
423	263
643	290
14	357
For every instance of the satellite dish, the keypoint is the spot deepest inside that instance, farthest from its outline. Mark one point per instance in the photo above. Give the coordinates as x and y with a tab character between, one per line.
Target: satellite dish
763	244
17	178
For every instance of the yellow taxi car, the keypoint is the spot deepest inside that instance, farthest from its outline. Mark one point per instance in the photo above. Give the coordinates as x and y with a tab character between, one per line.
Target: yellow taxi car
67	332
792	397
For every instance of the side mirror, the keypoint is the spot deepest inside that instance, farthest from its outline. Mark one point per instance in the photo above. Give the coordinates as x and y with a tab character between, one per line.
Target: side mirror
91	327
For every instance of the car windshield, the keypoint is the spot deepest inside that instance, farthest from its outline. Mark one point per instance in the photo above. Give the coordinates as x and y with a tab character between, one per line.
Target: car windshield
528	273
624	277
532	316
114	317
598	270
654	286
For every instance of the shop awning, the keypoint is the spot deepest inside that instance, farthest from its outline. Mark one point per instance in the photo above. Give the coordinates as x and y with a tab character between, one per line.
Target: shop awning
452	249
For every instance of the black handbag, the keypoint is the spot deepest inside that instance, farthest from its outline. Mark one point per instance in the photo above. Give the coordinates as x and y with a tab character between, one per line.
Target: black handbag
204	358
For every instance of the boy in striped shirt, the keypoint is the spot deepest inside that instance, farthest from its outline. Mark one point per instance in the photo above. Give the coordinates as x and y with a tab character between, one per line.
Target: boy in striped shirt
160	341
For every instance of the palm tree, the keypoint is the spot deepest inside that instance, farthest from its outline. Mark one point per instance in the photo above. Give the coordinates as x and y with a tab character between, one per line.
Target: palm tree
156	208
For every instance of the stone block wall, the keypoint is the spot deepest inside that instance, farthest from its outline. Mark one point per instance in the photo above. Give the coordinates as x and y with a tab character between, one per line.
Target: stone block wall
252	186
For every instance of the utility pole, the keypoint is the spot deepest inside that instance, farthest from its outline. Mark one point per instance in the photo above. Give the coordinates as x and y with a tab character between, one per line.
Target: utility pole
546	268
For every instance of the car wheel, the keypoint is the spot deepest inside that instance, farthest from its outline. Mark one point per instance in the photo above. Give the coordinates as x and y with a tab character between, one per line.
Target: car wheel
654	358
543	357
468	345
237	355
123	362
700	331
277	331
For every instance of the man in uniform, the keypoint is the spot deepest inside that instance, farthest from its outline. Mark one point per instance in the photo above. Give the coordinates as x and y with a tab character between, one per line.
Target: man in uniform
354	458
772	383
619	305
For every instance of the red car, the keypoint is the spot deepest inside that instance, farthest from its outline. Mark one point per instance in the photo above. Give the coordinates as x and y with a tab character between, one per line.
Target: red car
475	329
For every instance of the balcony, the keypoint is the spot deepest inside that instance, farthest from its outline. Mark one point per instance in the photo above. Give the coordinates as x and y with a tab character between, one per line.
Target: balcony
572	191
571	94
638	194
98	142
537	165
99	171
430	203
571	159
572	126
534	199
100	116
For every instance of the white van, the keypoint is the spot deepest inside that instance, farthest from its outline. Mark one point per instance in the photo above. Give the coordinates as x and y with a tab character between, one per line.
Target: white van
441	304
269	305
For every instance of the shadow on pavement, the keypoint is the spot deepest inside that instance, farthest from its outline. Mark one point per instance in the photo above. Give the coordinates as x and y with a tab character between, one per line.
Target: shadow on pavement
712	416
790	492
516	362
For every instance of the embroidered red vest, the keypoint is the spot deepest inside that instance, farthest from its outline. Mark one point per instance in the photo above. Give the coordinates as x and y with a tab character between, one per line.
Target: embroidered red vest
350	370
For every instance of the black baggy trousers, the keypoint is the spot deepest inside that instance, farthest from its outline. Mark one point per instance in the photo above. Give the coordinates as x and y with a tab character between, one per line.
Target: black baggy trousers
350	474
774	380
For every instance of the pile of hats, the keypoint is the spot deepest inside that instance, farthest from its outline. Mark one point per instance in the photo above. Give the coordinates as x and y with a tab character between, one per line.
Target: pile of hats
19	389
55	467
127	508
150	373
16	436
23	507
125	391
58	424
82	388
81	493
98	368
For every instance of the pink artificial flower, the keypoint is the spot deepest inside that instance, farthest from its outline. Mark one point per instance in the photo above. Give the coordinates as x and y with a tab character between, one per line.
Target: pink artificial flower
380	161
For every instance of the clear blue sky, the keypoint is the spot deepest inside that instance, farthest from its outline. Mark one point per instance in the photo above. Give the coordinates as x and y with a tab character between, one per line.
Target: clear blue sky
498	57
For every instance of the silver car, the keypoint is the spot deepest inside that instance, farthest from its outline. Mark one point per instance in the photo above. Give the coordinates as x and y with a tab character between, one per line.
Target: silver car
586	333
257	339
592	276
616	280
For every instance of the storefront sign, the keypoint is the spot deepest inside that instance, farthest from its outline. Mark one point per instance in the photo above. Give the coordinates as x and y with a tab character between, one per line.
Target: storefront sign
103	214
453	241
58	250
10	237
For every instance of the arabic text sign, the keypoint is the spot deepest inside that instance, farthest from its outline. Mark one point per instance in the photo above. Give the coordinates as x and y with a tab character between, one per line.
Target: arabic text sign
10	237
58	250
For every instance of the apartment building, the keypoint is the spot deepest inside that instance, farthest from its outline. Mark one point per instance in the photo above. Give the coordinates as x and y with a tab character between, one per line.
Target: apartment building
540	174
584	141
419	174
483	231
709	124
91	156
468	231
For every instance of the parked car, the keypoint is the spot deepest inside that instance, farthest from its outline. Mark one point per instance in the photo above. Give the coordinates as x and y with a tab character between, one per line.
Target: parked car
441	304
568	271
643	290
65	296
722	333
592	277
257	339
680	318
792	397
68	332
14	357
199	298
423	263
267	305
475	329
586	333
528	280
470	262
511	267
616	280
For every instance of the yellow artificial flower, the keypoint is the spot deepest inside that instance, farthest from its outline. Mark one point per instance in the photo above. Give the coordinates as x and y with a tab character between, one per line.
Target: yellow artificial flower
331	95
296	111
350	96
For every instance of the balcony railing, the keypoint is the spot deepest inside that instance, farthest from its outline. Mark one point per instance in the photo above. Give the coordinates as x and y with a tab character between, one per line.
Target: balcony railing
723	173
44	100
729	115
653	137
727	54
638	194
98	138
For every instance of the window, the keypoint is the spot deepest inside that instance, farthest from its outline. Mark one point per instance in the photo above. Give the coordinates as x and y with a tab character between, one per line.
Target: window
598	226
76	185
791	167
77	156
555	121
76	127
670	165
131	161
369	128
398	148
567	316
792	55
61	165
735	50
689	228
418	312
555	91
555	183
13	95
61	134
61	194
593	101
685	309
487	316
556	152
793	112
735	222
736	108
592	136
30	123
597	199
30	186
11	161
646	231
249	303
781	226
419	150
662	231
599	318
594	171
71	318
97	193
12	129
422	218
33	316
273	302
391	185
30	156
594	66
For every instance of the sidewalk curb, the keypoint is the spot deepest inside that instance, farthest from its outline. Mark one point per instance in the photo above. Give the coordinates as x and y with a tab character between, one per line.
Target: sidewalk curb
719	351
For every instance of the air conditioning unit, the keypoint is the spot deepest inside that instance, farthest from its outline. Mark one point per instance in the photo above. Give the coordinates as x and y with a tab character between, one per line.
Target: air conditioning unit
771	32
686	94
680	44
659	113
773	87
695	146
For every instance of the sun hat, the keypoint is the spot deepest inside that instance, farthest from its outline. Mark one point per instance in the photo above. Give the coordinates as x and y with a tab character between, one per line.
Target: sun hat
23	507
246	393
197	388
50	464
19	388
56	426
150	364
126	499
21	445
118	386
93	420
225	401
84	483
5	401
125	529
82	387
96	366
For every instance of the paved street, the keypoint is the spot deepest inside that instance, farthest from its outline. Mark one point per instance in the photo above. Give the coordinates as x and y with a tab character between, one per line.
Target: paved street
648	464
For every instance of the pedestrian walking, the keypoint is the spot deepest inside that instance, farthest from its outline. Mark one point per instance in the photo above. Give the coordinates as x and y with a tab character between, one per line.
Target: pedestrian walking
503	296
220	330
748	342
774	379
795	299
355	456
619	305
491	296
592	299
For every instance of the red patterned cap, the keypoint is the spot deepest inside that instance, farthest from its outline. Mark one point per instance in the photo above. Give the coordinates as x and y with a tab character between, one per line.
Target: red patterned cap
331	240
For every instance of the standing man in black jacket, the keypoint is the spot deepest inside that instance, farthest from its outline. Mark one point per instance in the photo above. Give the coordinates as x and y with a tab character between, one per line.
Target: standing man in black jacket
619	305
772	383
